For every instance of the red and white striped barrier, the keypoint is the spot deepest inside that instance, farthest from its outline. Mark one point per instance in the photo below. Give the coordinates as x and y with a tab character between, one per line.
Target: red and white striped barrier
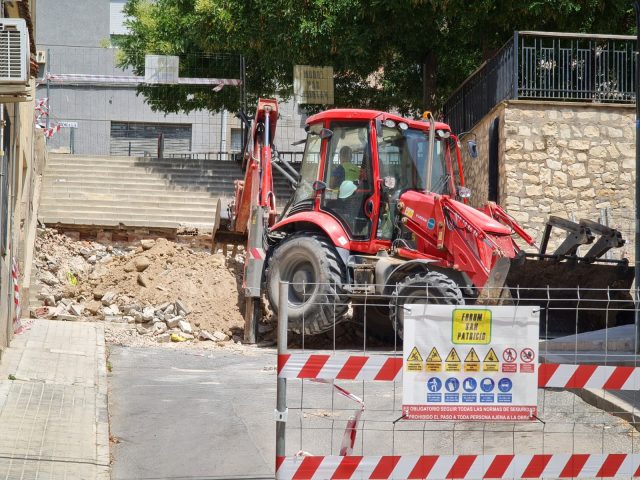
340	367
444	467
588	376
389	368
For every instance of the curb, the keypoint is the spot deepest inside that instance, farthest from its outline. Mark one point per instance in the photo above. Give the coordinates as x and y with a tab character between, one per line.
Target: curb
608	402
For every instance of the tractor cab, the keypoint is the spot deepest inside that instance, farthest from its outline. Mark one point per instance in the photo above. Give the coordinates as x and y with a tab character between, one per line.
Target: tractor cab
357	163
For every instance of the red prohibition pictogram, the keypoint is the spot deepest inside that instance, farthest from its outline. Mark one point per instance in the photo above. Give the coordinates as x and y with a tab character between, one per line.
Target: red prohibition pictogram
509	355
527	355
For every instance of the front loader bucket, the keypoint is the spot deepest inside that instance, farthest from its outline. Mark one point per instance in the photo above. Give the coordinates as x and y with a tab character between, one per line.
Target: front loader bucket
574	295
223	234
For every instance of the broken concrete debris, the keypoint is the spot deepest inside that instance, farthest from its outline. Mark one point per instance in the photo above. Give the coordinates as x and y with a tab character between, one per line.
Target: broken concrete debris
164	291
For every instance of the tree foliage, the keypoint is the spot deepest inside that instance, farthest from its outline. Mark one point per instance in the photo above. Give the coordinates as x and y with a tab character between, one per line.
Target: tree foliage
400	54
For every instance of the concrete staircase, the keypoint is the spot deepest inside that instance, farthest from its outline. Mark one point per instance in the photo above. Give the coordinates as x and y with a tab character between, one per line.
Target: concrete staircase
137	191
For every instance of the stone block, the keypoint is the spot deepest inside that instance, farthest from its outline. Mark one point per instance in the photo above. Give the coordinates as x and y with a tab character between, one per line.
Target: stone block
598	152
182	308
559	179
148	314
579	144
591	131
185	326
554	164
580	182
614	132
173	322
108	298
577	170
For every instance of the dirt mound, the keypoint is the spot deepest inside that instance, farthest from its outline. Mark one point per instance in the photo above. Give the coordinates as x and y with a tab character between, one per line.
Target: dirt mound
208	284
152	282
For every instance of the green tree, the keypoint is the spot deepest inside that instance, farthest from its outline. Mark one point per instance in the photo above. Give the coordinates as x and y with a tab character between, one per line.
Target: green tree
402	54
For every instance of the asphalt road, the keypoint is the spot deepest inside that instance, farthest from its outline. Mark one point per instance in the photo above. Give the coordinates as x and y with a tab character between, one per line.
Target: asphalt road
177	414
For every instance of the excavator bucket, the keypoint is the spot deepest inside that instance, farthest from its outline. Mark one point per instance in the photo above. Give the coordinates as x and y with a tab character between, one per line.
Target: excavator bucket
223	233
575	293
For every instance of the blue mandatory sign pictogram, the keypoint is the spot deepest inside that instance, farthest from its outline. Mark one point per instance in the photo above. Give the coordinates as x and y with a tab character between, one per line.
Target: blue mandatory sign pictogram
469	384
487	384
504	385
452	384
431	223
434	384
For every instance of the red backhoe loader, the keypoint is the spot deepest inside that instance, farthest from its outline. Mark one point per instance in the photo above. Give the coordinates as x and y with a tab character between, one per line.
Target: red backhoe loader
380	211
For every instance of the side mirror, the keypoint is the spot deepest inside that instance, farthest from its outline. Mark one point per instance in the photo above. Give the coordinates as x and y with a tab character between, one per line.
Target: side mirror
326	133
319	186
473	148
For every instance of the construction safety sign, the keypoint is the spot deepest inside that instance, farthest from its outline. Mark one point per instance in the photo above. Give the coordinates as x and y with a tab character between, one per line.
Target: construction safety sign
488	370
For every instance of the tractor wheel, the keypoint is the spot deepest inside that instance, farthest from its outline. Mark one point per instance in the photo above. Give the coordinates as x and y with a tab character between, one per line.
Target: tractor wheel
430	287
377	320
317	299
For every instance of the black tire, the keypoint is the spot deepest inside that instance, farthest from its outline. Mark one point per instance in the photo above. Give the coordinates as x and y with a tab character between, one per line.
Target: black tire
377	320
429	287
311	259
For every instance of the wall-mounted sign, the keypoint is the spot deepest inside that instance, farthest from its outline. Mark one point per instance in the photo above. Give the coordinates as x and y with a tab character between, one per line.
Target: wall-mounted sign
313	85
161	69
470	363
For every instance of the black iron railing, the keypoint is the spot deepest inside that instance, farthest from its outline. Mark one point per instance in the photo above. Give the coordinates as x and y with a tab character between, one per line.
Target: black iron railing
547	66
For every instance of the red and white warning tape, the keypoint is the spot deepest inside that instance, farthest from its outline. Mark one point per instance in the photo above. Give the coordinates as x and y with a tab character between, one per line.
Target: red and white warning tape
443	467
257	254
389	368
15	274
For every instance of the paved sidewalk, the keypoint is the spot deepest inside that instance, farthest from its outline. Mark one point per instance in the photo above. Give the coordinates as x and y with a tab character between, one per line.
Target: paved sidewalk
54	421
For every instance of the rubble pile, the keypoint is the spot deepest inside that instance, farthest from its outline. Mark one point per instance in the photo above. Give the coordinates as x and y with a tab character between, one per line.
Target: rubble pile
158	289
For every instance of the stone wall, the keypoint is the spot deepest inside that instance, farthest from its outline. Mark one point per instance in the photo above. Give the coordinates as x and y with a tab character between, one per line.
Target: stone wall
566	159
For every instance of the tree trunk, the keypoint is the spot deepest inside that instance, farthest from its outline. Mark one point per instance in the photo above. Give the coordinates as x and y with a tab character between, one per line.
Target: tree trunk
429	81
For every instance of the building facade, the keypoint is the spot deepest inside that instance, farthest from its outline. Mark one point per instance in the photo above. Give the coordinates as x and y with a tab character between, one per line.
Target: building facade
22	158
110	118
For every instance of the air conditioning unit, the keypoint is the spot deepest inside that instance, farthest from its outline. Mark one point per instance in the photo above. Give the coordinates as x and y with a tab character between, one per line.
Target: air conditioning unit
14	51
41	57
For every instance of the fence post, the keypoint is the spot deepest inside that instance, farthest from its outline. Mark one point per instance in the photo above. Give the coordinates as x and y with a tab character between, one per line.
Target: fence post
515	77
281	387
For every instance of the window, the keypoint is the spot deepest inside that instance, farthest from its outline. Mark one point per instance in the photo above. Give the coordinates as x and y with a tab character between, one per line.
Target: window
236	139
117	18
348	177
4	189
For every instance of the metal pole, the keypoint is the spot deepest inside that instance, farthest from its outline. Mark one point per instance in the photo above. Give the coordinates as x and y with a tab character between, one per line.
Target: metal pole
281	387
47	70
636	5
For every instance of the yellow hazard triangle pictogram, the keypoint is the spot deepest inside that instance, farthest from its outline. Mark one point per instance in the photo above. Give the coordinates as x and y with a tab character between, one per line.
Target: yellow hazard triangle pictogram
414	361
434	361
490	362
491	356
453	356
434	356
472	362
452	362
414	356
472	356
